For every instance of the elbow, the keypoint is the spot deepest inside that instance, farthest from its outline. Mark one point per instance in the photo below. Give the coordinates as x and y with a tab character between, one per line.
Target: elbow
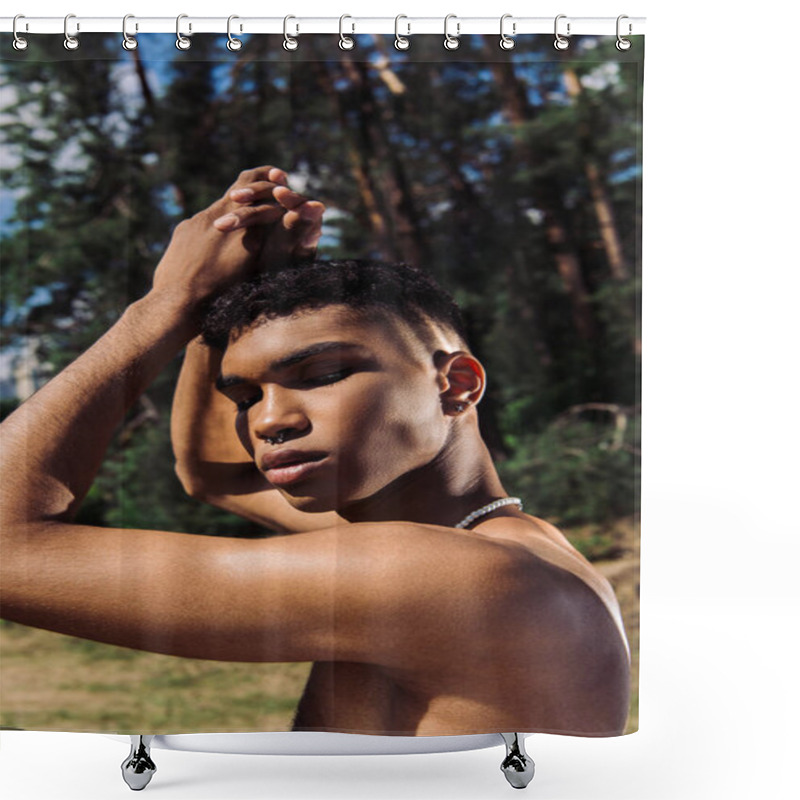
31	500
197	487
190	482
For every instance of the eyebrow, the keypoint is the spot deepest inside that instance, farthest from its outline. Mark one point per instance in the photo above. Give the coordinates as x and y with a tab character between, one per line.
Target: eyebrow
224	381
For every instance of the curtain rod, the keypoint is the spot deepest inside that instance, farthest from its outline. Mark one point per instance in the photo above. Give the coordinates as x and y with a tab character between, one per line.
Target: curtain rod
298	25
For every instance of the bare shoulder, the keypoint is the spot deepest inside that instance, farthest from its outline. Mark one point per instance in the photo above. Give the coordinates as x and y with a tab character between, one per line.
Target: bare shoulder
510	593
514	570
552	561
573	604
570	630
508	561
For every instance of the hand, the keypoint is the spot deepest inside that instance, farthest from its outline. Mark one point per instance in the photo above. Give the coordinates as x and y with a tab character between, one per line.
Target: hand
259	223
293	236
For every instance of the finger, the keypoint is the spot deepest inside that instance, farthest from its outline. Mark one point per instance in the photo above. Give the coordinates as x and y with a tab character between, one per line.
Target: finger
245	180
306	250
265	173
309	212
278	176
312	209
248	176
259	190
306	247
248	216
303	221
287	198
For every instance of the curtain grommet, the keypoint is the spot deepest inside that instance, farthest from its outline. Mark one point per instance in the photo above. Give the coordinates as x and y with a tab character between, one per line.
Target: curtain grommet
506	41
71	43
346	42
290	43
182	42
233	44
451	42
401	43
561	42
622	43
20	42
129	42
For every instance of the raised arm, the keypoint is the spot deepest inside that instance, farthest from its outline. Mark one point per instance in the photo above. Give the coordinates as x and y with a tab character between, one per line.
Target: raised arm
210	461
322	595
122	585
54	443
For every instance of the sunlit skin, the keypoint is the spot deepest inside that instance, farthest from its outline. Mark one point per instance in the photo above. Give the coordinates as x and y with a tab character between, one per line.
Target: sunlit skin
414	627
369	405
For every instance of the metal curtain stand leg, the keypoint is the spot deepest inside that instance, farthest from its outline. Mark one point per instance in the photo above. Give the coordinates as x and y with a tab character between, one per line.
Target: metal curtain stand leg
138	768
517	766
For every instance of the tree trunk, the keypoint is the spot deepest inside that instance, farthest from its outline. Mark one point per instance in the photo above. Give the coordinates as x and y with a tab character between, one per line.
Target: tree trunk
147	93
548	198
602	205
398	196
358	158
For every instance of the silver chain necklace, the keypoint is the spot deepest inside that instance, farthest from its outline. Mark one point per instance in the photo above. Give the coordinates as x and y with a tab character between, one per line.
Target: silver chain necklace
488	508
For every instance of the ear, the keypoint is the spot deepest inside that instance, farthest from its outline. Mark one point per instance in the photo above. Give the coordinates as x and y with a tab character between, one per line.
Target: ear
462	381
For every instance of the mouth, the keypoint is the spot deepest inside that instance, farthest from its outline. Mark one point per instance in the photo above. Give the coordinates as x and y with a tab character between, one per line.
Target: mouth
290	466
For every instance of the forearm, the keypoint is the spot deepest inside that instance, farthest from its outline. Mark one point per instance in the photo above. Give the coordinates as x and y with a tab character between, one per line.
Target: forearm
54	443
202	425
210	461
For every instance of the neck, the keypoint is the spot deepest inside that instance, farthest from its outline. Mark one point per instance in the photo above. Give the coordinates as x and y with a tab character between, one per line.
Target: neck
459	480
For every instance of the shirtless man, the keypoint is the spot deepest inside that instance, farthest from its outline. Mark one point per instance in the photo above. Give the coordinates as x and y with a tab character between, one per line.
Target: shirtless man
357	437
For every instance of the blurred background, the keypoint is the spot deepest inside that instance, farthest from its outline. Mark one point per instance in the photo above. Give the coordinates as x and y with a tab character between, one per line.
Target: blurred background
514	177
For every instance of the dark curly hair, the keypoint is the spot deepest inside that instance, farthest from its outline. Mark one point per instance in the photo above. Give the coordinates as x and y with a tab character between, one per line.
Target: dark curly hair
362	285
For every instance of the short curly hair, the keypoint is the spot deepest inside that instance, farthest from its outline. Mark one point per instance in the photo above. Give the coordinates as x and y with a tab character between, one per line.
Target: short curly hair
363	285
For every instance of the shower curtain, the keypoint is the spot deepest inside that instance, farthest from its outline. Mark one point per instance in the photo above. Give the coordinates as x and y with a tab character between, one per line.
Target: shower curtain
509	177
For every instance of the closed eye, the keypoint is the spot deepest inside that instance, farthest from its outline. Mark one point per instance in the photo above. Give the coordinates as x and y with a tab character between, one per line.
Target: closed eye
328	378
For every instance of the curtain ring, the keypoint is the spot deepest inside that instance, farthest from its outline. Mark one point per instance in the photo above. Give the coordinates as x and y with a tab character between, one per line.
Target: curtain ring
233	44
623	44
451	42
561	42
128	42
19	42
289	42
346	42
182	42
506	42
70	42
401	42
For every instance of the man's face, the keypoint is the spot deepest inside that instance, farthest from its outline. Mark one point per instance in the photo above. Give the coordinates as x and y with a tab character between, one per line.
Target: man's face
333	407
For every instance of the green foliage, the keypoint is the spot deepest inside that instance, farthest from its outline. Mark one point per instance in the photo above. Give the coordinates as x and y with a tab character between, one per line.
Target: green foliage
474	167
578	470
139	466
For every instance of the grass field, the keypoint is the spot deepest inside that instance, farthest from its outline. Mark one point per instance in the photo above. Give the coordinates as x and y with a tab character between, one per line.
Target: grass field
61	683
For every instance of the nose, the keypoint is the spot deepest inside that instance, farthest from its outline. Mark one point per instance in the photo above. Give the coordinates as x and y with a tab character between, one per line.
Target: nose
279	416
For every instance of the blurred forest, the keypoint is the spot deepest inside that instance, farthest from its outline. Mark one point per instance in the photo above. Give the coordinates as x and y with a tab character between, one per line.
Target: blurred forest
514	177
